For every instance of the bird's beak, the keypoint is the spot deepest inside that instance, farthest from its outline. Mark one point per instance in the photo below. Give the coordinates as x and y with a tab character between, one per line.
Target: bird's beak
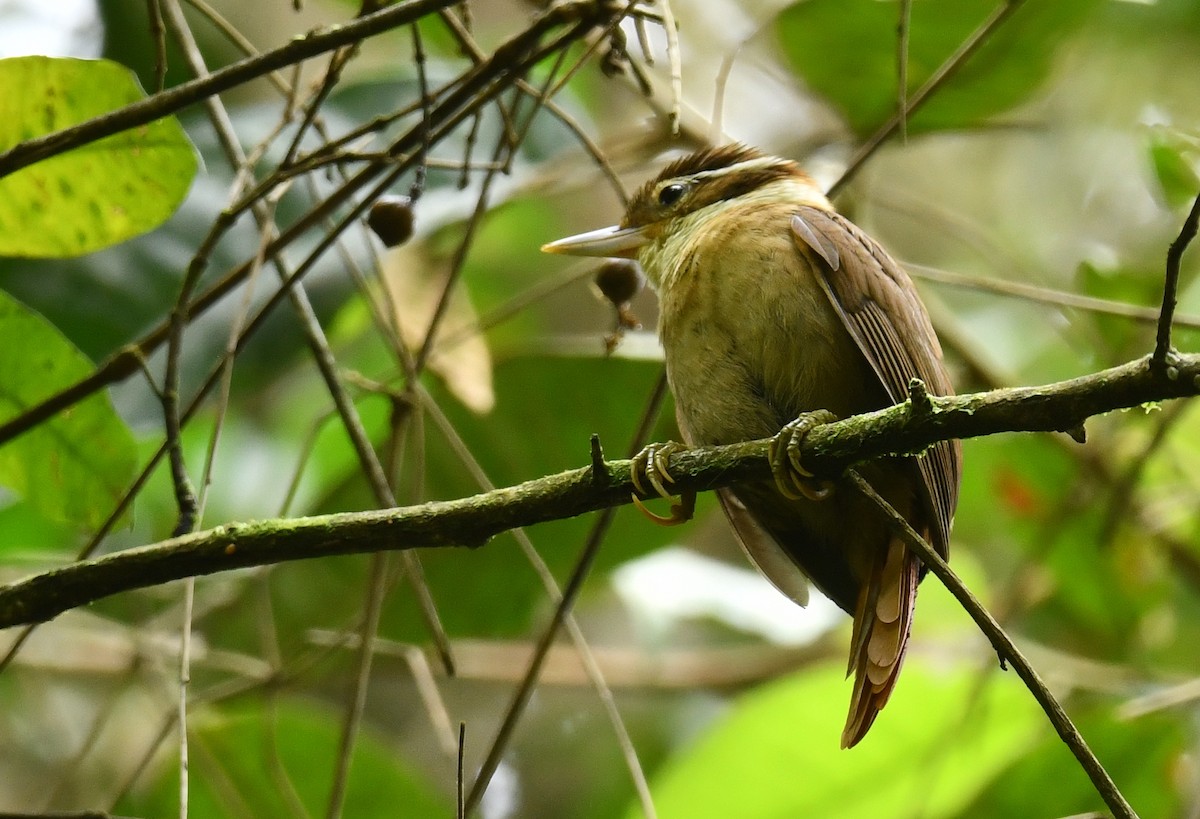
609	241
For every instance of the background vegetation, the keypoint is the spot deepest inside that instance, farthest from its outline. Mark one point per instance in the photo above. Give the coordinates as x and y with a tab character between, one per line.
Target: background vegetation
1032	194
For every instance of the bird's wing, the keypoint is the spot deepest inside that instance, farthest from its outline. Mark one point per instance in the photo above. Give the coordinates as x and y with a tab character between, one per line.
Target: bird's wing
880	308
764	550
760	546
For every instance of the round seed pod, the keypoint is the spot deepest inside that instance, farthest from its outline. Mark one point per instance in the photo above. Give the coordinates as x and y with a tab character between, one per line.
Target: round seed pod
619	280
391	219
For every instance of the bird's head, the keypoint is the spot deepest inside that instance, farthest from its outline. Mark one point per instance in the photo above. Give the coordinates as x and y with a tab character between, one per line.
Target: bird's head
700	183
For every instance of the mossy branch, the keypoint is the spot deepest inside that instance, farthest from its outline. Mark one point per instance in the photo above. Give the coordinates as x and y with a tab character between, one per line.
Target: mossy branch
472	521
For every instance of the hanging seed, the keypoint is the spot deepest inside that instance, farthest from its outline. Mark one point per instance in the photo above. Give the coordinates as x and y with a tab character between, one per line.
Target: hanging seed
391	219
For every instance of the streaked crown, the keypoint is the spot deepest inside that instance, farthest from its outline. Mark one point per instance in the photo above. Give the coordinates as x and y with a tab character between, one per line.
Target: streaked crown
706	177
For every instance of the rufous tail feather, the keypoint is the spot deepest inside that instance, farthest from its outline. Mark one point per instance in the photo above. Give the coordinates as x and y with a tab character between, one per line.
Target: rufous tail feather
881	626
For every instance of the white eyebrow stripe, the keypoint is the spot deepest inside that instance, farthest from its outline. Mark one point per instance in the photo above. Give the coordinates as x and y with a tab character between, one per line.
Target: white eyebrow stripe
761	162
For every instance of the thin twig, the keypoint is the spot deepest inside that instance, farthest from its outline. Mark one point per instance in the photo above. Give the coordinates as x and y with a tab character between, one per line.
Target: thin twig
281	780
587	657
418	185
903	29
716	131
461	812
185	677
676	63
181	96
185	493
1162	347
479	85
1005	648
236	331
944	72
1046	295
431	697
154	15
358	699
579	573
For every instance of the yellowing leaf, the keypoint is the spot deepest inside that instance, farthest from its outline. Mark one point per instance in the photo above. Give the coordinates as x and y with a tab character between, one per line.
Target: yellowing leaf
97	195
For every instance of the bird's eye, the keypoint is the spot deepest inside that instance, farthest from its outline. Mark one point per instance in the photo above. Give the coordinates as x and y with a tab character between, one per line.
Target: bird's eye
670	194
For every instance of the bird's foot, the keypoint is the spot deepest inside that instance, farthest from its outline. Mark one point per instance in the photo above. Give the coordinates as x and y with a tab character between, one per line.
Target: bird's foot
650	467
791	478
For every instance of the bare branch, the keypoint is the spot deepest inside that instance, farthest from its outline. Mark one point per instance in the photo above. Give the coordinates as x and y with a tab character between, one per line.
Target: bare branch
1162	347
473	521
944	72
477	87
181	96
1006	649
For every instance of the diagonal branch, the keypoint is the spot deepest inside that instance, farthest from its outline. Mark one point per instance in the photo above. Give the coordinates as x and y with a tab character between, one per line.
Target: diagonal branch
1005	648
897	121
476	87
1162	347
910	427
181	96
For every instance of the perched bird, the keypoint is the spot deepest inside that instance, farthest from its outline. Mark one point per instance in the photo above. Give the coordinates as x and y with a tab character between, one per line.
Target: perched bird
773	308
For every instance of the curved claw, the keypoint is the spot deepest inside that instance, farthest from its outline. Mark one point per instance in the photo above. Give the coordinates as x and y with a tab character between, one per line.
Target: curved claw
651	465
635	475
793	451
657	472
680	512
783	478
792	479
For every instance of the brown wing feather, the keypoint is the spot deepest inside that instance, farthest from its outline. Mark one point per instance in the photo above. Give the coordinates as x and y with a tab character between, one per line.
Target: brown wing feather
763	549
760	546
880	308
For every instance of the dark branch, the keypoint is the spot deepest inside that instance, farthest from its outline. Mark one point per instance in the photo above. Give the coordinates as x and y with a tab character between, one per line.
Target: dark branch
898	120
480	84
1166	315
181	96
1006	649
473	521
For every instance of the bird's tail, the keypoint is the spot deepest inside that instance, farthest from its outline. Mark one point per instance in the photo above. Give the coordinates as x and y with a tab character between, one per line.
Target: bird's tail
881	625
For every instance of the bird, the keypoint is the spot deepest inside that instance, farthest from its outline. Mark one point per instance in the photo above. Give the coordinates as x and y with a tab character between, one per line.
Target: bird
777	313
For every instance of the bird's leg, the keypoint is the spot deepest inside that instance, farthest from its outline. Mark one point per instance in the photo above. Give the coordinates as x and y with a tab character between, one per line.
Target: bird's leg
791	478
650	466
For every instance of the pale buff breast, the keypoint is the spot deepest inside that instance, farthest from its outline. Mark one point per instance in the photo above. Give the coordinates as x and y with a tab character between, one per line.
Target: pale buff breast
751	339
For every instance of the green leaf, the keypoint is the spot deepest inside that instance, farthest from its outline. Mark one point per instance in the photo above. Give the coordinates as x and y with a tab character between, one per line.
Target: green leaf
1143	756
260	760
97	195
1173	157
945	735
76	465
846	51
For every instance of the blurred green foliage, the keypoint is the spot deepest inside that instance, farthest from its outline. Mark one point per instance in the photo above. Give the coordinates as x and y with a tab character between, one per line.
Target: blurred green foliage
1063	156
847	53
